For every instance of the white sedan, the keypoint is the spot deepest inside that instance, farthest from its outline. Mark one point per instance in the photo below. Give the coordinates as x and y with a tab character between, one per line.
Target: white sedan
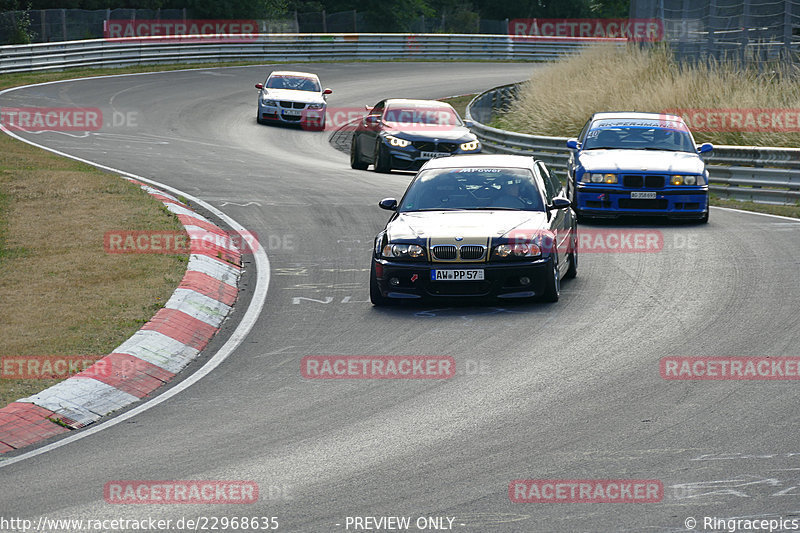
289	97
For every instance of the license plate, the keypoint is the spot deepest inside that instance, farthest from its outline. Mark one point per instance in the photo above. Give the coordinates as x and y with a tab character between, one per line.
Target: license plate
648	195
433	155
457	275
293	112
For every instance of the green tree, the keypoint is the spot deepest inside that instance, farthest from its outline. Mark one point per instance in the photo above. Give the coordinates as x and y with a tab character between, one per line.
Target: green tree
395	15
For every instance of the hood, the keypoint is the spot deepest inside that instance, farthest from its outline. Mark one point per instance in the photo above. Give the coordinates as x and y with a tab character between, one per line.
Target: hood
308	97
641	161
446	225
442	133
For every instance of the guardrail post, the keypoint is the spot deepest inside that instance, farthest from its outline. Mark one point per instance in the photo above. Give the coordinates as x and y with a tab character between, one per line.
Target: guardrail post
64	23
712	28
787	29
745	25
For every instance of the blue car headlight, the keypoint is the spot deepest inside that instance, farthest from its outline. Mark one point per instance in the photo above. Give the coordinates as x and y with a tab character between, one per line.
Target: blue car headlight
589	177
689	179
397	141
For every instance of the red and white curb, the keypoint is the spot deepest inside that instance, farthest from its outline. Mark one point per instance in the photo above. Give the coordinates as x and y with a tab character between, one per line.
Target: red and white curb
152	356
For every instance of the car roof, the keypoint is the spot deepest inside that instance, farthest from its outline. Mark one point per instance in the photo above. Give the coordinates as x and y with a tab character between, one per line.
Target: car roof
481	160
412	102
633	115
292	73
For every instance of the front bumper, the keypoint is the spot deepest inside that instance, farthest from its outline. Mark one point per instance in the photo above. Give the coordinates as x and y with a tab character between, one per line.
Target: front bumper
282	115
501	280
412	158
686	202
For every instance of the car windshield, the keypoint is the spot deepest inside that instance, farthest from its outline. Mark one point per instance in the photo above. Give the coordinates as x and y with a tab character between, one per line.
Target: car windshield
405	115
473	188
639	135
296	83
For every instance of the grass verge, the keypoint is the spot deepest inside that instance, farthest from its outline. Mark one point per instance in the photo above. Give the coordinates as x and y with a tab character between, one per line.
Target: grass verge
459	103
61	293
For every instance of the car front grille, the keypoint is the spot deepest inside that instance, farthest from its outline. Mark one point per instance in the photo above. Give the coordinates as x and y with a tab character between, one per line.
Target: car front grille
634	182
637	181
428	146
654	182
472	252
642	203
467	252
445	252
459	288
292	105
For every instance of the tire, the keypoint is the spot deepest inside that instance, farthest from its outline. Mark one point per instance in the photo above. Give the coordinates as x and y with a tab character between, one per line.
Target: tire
704	220
552	287
375	296
383	162
259	119
572	259
355	159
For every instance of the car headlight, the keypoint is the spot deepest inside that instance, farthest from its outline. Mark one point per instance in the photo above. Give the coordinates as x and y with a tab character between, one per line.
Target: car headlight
504	251
397	141
403	251
267	101
315	106
601	178
689	179
470	146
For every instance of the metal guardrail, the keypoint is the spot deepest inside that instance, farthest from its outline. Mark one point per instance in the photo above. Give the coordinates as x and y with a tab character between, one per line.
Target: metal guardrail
764	175
283	47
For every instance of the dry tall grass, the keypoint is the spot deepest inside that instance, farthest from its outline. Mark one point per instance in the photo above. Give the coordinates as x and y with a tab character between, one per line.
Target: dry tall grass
559	99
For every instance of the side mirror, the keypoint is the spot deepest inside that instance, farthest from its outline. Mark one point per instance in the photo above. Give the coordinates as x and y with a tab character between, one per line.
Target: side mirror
327	91
705	147
559	202
259	86
372	120
390	204
368	107
573	144
468	123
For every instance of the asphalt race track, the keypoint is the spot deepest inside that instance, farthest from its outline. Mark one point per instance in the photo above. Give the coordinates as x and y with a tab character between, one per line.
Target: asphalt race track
570	390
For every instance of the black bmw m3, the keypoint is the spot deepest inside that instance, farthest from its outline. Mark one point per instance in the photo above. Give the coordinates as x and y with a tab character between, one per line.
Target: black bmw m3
482	226
405	134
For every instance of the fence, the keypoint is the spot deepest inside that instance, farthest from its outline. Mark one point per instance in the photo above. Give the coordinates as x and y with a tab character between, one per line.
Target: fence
763	175
51	25
282	47
751	31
